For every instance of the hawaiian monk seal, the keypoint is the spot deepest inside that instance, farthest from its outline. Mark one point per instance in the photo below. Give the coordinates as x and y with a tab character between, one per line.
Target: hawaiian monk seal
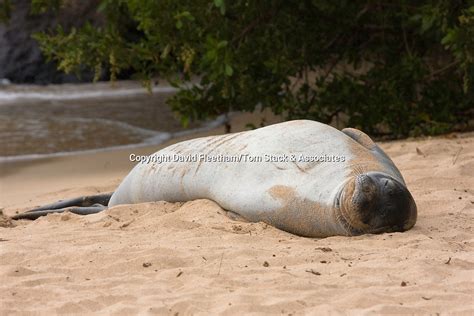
304	177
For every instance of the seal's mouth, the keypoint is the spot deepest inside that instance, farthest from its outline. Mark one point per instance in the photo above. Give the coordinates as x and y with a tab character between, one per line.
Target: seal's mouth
375	203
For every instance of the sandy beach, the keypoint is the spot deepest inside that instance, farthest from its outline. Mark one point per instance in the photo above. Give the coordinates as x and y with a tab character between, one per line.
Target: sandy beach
189	258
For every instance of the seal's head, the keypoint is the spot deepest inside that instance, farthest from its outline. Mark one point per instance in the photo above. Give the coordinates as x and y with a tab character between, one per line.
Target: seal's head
375	202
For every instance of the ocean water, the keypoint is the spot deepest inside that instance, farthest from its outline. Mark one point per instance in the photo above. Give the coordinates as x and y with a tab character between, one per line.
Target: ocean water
44	121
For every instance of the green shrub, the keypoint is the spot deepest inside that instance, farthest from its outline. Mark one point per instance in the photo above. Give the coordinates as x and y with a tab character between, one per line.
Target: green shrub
388	67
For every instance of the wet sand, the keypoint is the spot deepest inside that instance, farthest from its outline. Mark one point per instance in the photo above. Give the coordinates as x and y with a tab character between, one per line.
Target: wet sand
189	258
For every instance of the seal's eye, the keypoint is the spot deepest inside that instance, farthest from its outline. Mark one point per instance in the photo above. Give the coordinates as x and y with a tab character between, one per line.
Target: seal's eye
365	184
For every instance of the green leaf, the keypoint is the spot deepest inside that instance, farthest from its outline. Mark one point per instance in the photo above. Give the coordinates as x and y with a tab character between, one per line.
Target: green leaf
221	5
187	15
228	70
166	51
185	121
179	24
103	6
211	55
448	38
222	44
427	23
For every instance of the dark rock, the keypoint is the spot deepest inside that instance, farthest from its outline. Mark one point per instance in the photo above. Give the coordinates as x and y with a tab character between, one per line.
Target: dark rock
21	60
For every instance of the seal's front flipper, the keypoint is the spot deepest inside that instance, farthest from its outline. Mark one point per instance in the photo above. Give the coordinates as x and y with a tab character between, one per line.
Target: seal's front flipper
235	217
360	137
82	205
364	140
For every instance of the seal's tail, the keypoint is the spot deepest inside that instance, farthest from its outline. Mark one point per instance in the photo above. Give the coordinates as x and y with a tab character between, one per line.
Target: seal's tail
83	205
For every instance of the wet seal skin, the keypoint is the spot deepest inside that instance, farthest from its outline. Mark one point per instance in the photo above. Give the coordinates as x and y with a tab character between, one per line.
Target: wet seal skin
361	191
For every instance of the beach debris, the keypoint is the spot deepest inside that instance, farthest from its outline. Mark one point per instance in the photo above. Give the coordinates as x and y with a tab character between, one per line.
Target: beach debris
114	218
449	261
146	264
457	155
266	264
179	274
403	283
127	223
324	249
419	152
313	272
220	264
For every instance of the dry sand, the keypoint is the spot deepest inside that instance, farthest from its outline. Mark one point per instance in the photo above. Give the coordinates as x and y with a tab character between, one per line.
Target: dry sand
189	258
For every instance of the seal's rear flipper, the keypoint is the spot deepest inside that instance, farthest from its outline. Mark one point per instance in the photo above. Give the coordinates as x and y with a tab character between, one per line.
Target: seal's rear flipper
82	205
96	208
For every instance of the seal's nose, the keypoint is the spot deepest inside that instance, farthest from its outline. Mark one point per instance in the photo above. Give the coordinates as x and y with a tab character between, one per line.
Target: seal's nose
384	204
